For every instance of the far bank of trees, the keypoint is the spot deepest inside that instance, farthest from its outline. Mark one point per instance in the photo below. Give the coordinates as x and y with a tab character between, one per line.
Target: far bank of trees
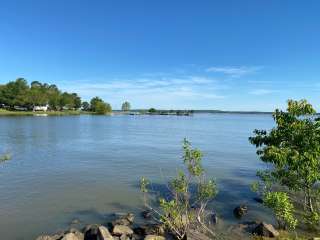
19	95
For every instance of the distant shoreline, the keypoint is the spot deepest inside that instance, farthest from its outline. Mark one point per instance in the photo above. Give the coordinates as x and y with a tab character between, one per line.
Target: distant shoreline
199	111
40	113
119	112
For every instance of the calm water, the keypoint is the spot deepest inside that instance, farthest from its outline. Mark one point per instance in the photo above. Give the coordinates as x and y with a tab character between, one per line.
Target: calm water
85	167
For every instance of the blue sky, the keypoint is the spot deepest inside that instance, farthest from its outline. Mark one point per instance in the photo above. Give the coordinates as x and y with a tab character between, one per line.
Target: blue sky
231	55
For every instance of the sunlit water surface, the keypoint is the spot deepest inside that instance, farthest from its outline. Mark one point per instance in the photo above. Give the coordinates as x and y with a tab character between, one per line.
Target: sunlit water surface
85	167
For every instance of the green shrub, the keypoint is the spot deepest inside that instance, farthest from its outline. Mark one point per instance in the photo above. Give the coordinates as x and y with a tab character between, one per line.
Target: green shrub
291	151
282	207
186	207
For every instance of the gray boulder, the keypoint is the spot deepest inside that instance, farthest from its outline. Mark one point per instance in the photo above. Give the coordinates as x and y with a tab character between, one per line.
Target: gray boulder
45	237
120	230
193	234
124	220
240	211
97	232
104	234
265	230
150	229
73	236
154	237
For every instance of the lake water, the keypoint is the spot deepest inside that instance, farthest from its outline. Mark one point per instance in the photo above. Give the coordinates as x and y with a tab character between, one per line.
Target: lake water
85	167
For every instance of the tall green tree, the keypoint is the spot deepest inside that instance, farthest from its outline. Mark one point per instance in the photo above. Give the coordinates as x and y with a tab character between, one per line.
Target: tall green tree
76	101
15	93
93	103
85	106
66	101
292	151
53	95
126	106
103	108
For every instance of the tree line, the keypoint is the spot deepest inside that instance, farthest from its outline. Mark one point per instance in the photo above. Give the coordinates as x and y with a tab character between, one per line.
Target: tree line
19	94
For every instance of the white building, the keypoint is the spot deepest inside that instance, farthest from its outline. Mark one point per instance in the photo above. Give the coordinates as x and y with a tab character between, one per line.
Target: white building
40	108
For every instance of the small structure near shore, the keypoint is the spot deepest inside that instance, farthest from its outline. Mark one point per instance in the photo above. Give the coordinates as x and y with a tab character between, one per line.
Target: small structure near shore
41	108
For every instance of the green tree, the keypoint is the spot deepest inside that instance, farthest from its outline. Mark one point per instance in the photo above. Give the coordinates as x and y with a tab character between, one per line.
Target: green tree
66	101
190	194
93	103
76	101
36	84
152	110
292	151
19	93
103	108
85	106
53	97
37	95
2	92
126	106
15	93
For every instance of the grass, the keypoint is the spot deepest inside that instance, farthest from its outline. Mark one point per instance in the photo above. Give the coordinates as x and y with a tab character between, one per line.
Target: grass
4	112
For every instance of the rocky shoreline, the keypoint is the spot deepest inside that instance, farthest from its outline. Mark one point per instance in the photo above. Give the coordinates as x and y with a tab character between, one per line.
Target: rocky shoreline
123	227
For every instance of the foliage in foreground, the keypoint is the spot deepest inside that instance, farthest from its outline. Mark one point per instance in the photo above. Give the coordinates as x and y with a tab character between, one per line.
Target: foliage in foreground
190	194
292	153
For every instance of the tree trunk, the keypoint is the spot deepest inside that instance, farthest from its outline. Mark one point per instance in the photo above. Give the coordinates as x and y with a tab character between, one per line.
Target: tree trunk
309	203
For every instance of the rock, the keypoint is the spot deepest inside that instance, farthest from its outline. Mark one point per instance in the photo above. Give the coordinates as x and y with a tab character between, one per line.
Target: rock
91	232
257	199
137	237
240	211
73	236
120	230
104	234
147	214
75	221
72	230
130	217
97	232
59	235
150	229
154	237
242	230
196	235
45	237
265	230
124	220
124	237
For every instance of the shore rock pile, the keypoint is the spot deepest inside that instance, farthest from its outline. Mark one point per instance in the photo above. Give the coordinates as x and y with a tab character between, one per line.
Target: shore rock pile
122	228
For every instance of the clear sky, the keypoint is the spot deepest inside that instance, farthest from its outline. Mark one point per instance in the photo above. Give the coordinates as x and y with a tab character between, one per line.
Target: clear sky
204	54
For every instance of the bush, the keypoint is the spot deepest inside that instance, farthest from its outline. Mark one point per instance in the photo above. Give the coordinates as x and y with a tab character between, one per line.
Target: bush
282	207
190	193
291	151
103	108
